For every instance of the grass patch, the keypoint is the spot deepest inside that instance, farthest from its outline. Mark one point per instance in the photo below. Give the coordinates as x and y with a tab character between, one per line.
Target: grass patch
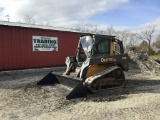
155	56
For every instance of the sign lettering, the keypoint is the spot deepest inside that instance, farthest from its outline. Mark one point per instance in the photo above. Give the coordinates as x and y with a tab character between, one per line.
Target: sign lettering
43	43
108	59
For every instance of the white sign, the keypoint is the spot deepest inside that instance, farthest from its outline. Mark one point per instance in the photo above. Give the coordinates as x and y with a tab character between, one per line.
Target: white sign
43	43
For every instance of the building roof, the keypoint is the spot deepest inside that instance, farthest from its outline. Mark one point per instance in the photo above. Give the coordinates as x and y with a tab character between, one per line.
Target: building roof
17	24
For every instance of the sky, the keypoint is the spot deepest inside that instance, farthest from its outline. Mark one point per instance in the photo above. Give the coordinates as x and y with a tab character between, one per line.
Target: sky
122	14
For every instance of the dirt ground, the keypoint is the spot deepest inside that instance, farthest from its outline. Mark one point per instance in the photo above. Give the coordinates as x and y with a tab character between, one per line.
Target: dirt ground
21	99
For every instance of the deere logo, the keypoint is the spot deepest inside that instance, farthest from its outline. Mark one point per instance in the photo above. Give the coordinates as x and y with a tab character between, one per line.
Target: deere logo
108	59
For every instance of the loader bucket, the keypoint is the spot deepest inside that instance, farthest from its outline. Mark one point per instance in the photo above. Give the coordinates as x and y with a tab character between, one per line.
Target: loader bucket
78	90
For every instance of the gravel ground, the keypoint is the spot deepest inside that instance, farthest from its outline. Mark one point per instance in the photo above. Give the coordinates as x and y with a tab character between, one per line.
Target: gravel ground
21	99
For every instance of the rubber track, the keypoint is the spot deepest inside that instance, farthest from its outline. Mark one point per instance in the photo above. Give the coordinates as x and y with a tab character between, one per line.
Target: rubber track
90	79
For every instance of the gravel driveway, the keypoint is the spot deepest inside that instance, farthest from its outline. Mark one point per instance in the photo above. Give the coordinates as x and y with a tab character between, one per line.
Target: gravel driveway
21	99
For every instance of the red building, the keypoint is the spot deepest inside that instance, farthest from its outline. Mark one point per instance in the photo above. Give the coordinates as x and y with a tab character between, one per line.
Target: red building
17	42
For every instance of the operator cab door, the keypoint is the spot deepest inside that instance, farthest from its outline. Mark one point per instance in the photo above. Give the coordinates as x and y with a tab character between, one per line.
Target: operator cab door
84	48
82	56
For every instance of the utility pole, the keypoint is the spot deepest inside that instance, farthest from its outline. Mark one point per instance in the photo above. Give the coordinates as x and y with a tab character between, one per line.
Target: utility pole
8	17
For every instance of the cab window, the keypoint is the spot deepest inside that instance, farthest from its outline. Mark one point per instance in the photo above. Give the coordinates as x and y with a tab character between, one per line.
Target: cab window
116	48
102	48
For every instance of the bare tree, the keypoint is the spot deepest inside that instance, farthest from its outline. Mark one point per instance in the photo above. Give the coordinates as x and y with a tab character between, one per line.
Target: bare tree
95	29
89	28
110	30
132	37
156	43
82	28
131	40
147	35
29	19
122	35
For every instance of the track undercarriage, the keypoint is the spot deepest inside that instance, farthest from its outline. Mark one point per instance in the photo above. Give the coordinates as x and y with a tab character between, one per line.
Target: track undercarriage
109	78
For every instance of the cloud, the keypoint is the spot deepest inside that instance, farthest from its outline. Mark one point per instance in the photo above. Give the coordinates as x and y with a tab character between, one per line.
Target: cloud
148	25
57	12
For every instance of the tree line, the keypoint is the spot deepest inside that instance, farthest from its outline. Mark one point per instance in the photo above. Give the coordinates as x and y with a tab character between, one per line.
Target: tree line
143	40
146	39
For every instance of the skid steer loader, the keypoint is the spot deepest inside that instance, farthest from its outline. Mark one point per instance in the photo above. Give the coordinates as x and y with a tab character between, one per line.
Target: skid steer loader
98	65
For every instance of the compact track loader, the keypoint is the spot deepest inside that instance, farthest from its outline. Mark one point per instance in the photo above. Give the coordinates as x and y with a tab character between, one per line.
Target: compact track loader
98	65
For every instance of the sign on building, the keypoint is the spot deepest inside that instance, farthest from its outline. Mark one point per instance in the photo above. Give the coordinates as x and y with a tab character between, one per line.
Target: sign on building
43	43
